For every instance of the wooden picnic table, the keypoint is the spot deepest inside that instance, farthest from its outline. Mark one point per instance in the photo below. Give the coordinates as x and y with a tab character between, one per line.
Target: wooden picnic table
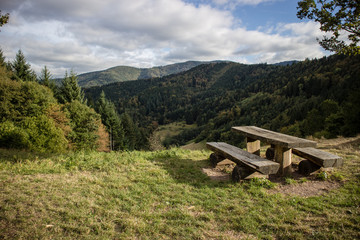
282	143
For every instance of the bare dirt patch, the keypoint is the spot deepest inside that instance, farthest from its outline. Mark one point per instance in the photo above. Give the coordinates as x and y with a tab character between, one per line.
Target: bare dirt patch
216	174
306	189
339	143
222	171
310	187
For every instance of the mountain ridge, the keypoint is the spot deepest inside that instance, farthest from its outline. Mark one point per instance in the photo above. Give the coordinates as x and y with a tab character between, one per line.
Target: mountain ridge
128	73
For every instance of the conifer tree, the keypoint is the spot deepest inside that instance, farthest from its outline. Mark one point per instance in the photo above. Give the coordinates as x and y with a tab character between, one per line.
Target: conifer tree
45	76
85	123
21	69
46	79
131	131
70	90
111	120
2	58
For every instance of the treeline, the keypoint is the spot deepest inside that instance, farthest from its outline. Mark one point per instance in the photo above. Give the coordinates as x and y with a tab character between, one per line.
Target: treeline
40	116
317	97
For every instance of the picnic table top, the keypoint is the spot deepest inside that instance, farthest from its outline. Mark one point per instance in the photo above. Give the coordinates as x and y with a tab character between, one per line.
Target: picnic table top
274	137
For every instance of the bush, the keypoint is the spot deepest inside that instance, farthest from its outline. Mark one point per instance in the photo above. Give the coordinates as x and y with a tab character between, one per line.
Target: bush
12	136
33	133
26	117
43	134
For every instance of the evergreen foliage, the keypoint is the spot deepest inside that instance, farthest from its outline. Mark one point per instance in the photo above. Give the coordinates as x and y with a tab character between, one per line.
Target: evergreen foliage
317	97
84	123
31	118
46	79
70	90
2	59
111	120
134	139
24	122
21	69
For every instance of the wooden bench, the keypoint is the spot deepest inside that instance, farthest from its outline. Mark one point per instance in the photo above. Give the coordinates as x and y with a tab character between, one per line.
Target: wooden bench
282	144
316	159
242	158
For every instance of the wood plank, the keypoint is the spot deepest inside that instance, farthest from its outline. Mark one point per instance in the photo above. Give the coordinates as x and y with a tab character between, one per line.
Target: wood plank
319	157
242	157
275	138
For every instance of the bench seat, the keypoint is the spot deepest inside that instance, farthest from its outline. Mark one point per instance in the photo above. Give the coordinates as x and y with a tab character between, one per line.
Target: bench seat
242	157
321	158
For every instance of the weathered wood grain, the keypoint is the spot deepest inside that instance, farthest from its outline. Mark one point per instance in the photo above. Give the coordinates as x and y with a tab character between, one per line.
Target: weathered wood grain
242	157
283	157
253	146
321	158
275	138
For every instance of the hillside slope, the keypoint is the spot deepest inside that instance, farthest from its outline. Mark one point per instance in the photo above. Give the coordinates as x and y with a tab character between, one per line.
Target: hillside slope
166	195
318	97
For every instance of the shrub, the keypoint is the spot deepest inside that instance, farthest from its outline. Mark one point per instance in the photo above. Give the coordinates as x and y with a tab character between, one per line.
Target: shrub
12	136
28	119
43	134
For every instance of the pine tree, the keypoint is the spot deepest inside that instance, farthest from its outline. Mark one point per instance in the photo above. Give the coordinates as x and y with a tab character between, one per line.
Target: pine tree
45	76
85	123
46	79
111	120
21	69
70	90
132	132
2	59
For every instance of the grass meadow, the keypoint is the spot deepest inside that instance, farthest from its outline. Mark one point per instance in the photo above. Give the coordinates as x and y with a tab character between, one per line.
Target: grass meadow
164	195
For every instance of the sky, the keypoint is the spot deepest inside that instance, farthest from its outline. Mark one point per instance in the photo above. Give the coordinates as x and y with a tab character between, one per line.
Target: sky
91	35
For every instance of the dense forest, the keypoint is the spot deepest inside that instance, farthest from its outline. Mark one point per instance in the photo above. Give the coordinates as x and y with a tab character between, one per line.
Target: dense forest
319	97
38	115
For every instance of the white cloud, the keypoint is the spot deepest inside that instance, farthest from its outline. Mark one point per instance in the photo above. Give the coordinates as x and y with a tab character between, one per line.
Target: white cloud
233	4
241	2
90	35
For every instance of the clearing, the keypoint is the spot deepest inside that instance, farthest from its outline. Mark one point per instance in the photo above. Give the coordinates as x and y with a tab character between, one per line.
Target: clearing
166	195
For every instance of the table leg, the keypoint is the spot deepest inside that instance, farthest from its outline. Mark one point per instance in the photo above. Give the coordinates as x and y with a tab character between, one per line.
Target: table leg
283	156
253	146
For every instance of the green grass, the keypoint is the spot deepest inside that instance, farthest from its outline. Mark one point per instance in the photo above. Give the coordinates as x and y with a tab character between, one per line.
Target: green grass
161	195
172	129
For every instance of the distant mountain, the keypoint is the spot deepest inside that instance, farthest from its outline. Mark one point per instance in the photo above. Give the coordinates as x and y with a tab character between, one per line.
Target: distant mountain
125	73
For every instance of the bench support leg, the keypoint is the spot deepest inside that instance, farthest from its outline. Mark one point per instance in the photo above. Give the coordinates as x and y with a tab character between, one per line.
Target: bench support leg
253	146
215	159
283	156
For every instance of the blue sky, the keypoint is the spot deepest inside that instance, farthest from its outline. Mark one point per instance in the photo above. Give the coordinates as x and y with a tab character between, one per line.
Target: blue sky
260	13
90	35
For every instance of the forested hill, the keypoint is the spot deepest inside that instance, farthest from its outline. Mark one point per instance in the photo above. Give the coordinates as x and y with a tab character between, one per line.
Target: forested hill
318	97
126	73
